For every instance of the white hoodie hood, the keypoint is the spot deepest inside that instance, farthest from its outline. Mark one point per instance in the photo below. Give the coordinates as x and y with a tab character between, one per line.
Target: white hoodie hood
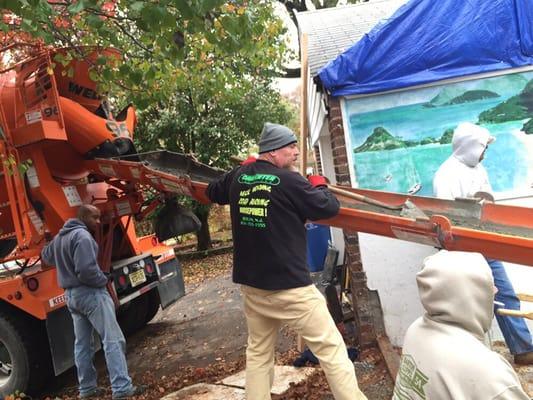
469	142
443	356
457	288
462	174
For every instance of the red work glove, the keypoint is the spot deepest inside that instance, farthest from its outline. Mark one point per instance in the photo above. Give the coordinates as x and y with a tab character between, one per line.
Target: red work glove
249	160
317	180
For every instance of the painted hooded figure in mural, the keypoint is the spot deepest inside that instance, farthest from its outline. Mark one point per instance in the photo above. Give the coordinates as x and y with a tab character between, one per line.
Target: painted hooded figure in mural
444	356
463	175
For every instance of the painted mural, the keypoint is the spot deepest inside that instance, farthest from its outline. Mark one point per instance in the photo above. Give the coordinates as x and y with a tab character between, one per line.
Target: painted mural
399	140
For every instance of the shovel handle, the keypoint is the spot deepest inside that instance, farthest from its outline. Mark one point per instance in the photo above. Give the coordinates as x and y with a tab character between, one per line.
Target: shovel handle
515	313
525	297
360	197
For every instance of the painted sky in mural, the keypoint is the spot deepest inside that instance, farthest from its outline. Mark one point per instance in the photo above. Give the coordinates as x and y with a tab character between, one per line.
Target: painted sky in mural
400	139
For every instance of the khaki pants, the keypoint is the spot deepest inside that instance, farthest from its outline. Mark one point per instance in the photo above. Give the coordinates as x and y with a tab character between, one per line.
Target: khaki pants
304	310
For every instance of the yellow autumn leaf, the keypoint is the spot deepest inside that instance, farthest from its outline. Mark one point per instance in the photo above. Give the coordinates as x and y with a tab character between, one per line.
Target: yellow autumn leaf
229	8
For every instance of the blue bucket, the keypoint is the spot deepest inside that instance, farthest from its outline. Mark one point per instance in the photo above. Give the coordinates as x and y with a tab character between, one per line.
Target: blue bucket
318	238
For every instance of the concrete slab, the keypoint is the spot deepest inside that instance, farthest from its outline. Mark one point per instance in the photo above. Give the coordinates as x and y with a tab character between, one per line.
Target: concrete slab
204	391
283	376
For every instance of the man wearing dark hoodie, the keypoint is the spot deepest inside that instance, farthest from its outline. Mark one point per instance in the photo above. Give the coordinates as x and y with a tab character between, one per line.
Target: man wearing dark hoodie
74	252
444	357
463	175
269	205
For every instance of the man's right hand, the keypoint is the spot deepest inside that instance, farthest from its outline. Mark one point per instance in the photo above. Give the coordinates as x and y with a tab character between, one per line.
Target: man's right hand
249	160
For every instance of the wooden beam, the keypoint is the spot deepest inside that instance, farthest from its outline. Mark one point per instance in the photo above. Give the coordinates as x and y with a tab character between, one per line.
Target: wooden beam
304	126
391	357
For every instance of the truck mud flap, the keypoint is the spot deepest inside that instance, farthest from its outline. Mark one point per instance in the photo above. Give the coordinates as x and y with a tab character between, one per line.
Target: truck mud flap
171	286
61	339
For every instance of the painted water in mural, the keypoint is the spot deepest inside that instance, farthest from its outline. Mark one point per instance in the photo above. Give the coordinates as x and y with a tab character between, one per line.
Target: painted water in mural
399	140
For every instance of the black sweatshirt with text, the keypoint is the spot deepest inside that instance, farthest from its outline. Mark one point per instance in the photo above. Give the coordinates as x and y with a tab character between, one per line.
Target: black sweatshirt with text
269	207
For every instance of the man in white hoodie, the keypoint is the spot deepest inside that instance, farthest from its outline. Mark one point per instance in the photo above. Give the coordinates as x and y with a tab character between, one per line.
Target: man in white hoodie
444	357
463	175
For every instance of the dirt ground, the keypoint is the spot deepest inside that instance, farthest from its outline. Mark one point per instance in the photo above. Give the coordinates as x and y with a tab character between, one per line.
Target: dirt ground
202	338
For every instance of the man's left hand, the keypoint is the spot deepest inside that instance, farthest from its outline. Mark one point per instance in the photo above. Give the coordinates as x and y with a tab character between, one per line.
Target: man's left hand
317	180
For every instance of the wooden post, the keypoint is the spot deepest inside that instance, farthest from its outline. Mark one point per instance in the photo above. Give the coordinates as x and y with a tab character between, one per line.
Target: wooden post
304	127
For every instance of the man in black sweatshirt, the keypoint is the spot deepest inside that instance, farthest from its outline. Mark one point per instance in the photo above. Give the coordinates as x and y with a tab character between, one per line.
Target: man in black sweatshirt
269	205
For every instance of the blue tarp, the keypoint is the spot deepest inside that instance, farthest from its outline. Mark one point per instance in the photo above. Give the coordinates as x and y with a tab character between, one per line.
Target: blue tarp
431	40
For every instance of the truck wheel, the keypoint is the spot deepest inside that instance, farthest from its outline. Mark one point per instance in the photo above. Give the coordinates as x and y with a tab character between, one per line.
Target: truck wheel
22	366
132	316
153	305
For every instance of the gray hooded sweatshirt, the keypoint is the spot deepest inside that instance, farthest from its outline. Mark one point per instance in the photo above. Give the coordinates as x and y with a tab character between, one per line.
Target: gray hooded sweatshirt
444	357
74	252
462	174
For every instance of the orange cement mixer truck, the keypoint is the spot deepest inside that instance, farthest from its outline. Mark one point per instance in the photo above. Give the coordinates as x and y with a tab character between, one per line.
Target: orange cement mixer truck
60	147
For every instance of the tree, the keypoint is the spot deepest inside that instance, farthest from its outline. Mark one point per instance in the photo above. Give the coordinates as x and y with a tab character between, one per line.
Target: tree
155	37
302	5
200	69
212	124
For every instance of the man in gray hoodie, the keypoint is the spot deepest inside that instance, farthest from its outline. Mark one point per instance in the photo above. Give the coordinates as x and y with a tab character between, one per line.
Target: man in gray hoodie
74	252
463	175
444	357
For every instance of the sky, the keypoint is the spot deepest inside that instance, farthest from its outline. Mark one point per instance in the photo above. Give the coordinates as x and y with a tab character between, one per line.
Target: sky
284	85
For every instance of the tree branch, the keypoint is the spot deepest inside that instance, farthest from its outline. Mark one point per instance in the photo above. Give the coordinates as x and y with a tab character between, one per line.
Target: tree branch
133	38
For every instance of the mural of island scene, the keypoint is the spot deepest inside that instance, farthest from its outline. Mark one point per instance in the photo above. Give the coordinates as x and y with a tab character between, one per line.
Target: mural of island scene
400	139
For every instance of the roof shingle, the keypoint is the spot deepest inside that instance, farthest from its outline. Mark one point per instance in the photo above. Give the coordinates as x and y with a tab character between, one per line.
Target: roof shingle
332	30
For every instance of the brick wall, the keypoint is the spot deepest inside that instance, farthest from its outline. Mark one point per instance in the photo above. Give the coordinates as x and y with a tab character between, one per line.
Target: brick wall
366	334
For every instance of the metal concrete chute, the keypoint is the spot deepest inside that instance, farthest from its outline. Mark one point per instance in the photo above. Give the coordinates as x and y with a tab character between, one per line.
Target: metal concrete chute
498	231
164	171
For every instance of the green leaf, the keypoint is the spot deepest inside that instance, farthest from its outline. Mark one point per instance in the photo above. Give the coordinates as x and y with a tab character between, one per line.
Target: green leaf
14	6
136	77
93	75
208	5
95	21
76	7
124	70
107	74
185	8
137	6
150	74
27	25
152	16
168	20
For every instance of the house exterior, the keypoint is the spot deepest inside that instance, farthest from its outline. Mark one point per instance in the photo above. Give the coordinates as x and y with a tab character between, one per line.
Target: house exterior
409	71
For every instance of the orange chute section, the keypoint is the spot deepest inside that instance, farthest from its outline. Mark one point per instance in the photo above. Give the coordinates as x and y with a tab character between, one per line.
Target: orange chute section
74	81
87	131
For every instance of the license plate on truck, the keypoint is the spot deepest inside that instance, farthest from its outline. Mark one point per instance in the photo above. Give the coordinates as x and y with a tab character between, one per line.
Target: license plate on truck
137	277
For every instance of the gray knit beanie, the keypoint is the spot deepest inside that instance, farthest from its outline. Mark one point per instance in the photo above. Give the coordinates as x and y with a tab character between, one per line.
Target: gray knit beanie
275	137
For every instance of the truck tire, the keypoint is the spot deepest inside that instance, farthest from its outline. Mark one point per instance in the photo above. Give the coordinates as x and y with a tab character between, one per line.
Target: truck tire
138	312
23	365
132	316
153	305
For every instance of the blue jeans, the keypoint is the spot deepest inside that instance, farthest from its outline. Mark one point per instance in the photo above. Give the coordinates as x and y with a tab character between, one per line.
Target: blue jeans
93	309
515	330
